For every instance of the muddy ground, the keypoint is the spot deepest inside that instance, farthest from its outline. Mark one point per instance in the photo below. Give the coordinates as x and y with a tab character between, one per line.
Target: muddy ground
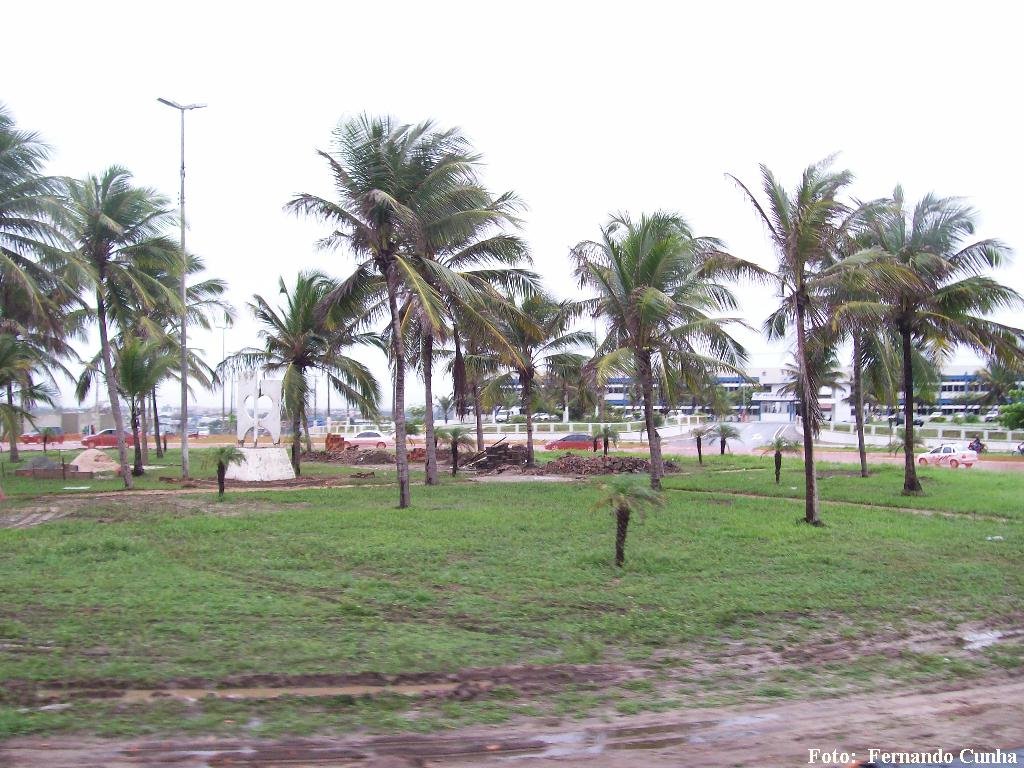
984	714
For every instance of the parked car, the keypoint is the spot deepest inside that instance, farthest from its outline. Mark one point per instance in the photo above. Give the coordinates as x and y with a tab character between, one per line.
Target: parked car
202	432
991	416
545	417
577	440
948	455
501	417
56	435
371	438
106	439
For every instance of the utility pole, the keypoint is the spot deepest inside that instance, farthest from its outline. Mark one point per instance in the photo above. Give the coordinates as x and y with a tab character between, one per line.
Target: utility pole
223	357
182	109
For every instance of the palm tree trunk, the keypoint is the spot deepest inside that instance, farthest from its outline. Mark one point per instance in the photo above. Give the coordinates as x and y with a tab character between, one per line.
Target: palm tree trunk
621	529
455	457
910	482
156	428
653	438
778	466
721	445
15	456
296	440
398	352
604	444
700	450
857	387
527	382
144	427
221	472
479	417
115	405
430	465
137	470
810	477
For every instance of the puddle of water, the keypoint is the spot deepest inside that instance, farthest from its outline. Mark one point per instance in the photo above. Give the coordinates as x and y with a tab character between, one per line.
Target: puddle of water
975	641
140	696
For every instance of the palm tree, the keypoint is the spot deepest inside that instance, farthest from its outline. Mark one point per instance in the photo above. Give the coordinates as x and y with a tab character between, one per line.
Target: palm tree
660	291
997	380
205	300
945	303
388	180
778	446
17	363
141	365
455	436
34	295
804	225
119	242
299	339
700	434
444	404
224	456
724	432
625	497
607	435
536	334
30	215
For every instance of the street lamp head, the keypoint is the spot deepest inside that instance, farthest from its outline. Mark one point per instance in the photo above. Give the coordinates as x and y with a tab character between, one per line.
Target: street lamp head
181	107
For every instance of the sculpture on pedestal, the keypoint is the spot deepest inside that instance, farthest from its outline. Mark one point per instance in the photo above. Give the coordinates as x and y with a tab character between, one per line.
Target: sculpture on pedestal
258	405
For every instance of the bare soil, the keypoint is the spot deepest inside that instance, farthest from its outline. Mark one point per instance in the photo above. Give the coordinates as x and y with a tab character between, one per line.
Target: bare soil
984	713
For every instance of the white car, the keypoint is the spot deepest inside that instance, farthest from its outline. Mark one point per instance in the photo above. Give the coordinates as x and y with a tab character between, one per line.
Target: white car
948	455
501	417
371	438
544	417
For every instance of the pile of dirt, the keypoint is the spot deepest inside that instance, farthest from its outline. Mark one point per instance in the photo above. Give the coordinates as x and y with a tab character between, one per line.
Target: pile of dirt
94	460
351	456
574	464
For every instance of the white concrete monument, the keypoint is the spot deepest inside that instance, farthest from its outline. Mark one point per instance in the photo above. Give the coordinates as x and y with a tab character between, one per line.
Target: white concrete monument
258	405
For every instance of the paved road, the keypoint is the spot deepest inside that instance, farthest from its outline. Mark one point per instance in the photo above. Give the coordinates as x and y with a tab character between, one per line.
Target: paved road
753	435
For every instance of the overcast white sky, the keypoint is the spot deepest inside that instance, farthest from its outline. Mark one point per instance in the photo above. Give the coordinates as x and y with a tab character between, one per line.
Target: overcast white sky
582	108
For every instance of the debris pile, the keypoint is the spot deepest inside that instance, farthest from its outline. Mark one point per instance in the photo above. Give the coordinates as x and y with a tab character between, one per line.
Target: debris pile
501	455
352	456
575	464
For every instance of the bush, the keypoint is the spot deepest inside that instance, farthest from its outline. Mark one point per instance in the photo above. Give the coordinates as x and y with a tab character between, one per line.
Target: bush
972	419
659	420
939	420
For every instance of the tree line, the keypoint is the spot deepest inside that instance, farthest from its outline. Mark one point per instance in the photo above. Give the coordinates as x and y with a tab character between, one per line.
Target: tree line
441	276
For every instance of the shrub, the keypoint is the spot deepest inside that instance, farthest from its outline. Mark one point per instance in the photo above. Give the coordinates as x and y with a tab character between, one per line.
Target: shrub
939	420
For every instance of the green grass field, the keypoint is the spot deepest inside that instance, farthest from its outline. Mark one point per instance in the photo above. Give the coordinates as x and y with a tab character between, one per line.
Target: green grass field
145	590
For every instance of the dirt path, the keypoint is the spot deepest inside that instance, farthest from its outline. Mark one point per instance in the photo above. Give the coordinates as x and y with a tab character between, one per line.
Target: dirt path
984	714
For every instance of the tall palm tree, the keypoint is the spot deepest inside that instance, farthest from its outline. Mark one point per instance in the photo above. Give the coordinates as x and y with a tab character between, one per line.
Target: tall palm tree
388	179
700	434
30	214
661	291
997	380
945	305
536	334
140	366
206	300
117	230
300	339
34	296
804	225
18	363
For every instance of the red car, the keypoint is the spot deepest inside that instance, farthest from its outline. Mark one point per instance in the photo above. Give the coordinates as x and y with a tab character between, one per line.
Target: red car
106	439
55	435
576	441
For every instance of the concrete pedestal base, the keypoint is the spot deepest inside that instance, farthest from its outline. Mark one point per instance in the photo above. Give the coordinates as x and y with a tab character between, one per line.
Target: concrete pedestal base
262	464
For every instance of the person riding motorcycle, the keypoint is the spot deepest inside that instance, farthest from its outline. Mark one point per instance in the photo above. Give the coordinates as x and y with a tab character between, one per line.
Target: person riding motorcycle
976	445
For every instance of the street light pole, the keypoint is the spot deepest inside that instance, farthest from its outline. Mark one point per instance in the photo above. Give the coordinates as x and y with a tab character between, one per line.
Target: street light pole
182	109
223	356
